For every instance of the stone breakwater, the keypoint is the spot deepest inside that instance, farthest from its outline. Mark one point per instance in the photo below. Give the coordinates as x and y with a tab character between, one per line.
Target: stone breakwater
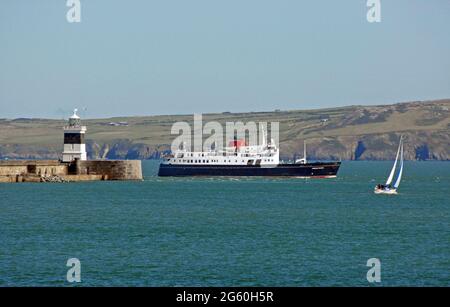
57	171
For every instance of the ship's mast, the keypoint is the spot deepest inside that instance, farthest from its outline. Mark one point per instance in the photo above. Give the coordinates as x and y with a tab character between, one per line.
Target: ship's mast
304	151
303	160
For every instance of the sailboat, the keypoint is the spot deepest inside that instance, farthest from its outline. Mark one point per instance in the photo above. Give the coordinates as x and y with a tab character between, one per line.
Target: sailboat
388	188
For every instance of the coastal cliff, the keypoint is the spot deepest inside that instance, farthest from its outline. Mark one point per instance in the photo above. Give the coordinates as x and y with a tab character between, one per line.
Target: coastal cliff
347	133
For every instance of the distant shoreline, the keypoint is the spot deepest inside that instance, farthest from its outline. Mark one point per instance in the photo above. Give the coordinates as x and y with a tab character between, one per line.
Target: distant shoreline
349	133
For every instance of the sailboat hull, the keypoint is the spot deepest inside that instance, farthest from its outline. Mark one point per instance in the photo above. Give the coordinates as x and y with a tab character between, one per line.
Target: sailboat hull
384	191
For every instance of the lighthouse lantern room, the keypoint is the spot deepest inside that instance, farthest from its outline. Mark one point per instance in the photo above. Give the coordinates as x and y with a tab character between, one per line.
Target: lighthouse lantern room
74	146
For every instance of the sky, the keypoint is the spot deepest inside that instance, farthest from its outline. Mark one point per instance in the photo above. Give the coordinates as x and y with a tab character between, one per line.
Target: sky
146	57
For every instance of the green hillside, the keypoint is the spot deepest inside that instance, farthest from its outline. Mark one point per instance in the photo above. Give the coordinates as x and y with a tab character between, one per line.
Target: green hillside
354	132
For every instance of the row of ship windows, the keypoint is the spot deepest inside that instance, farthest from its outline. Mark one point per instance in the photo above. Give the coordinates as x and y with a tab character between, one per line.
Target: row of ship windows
207	161
200	161
192	155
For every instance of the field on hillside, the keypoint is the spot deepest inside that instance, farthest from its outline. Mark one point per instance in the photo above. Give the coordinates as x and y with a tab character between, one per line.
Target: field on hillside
354	132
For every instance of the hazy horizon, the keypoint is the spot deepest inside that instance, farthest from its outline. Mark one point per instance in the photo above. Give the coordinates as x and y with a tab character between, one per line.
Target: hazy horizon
164	58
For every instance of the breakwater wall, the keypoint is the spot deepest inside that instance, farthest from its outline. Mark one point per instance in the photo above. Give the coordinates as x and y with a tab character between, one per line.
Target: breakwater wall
57	171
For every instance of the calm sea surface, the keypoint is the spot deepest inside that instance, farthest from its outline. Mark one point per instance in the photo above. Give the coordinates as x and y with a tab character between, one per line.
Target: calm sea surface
230	232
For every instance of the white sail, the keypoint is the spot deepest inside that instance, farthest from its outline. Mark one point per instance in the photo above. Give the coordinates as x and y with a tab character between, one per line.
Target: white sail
391	176
397	182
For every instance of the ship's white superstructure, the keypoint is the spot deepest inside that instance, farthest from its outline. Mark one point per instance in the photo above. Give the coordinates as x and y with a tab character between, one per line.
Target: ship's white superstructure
237	153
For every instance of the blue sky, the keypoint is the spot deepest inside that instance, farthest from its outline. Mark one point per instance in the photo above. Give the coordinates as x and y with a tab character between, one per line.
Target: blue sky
144	57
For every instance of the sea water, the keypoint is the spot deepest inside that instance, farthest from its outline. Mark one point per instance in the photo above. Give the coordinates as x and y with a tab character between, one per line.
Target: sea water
230	231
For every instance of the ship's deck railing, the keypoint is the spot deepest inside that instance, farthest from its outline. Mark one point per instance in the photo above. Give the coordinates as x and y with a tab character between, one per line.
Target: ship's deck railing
181	155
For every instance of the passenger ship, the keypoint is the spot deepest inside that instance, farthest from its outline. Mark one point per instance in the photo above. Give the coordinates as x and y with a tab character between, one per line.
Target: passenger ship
238	159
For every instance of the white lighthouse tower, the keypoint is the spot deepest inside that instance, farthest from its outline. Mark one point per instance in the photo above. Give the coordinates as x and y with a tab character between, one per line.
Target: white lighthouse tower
74	146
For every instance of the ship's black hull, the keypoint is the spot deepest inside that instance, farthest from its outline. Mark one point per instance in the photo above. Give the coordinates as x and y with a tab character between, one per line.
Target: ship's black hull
316	170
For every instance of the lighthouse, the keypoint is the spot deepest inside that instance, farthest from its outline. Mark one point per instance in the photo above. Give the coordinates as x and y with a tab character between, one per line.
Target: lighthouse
74	146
